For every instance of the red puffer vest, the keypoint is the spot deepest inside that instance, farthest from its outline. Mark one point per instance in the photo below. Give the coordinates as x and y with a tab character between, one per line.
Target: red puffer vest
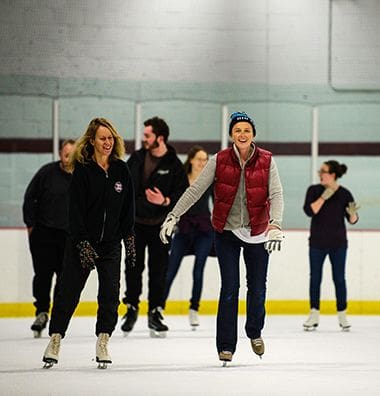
227	178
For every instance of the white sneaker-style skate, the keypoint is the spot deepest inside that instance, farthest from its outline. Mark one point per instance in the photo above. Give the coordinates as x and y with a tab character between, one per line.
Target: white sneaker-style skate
313	320
343	323
102	356
258	346
193	319
52	351
225	357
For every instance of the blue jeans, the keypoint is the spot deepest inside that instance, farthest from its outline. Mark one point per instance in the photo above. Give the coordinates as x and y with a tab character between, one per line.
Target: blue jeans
202	243
337	258
227	247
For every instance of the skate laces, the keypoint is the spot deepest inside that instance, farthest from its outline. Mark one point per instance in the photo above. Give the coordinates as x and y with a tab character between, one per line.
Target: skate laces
102	343
55	343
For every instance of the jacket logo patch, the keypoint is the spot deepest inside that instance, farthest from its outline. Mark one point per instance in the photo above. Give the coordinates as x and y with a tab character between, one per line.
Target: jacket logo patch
163	171
118	187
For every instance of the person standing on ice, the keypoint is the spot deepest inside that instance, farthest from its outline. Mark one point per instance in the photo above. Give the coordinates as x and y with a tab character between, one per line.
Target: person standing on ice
247	215
101	214
329	204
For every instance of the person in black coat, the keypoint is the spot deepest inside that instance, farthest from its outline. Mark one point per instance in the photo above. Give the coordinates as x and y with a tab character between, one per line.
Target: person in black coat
159	180
329	205
101	214
45	215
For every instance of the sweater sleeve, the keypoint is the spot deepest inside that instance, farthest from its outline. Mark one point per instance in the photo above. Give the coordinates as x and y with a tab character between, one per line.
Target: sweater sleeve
196	190
31	199
309	199
77	205
275	194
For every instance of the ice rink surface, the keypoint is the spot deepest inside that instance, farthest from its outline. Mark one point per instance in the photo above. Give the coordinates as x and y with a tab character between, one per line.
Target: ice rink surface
325	362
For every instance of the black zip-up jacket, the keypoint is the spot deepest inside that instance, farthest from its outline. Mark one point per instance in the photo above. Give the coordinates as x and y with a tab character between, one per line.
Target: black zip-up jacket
45	200
101	204
169	177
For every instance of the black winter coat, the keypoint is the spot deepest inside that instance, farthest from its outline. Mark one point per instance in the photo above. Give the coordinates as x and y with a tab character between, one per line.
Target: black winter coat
169	177
101	204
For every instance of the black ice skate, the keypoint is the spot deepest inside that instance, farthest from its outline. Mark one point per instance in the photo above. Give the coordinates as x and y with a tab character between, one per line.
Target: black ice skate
157	328
129	319
225	357
39	324
102	356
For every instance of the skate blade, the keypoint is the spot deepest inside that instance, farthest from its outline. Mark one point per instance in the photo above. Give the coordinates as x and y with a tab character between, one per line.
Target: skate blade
310	328
126	333
103	365
225	363
49	363
37	334
194	327
345	329
157	334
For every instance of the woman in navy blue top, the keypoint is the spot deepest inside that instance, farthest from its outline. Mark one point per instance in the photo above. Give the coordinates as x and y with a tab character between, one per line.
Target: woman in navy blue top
329	205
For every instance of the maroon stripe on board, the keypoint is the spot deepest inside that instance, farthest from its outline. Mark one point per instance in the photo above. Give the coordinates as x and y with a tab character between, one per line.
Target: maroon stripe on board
22	145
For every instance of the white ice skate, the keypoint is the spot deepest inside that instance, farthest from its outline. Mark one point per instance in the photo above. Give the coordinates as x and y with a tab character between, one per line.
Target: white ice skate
193	319
52	351
343	323
102	356
313	320
225	357
39	324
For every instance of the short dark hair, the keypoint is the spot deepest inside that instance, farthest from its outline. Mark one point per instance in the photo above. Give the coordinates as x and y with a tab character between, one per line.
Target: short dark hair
159	127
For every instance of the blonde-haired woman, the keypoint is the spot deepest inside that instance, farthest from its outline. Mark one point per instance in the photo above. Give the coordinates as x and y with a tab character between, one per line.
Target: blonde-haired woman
101	214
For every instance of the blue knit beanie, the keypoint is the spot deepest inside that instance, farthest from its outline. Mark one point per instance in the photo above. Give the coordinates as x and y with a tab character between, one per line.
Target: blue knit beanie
241	116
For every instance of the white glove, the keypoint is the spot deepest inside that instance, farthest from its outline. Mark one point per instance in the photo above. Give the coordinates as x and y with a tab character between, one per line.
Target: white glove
275	237
352	208
327	193
167	227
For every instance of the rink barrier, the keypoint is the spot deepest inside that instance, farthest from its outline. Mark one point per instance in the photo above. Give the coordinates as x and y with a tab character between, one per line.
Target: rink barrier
273	307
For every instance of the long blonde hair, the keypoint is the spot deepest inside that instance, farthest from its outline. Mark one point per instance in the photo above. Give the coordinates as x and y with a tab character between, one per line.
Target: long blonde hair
84	150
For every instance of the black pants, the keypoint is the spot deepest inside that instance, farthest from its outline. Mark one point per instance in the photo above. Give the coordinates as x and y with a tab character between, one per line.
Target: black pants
72	281
158	256
47	246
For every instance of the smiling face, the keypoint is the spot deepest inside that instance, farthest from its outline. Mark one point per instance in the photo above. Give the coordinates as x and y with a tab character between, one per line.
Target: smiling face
103	142
326	178
242	135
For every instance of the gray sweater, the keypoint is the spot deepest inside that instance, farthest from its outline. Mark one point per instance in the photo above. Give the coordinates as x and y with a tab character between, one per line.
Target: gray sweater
238	216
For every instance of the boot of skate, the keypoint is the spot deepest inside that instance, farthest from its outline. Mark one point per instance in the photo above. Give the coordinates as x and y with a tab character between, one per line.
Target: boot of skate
39	324
52	350
102	355
258	346
129	318
343	322
312	321
193	318
225	357
155	324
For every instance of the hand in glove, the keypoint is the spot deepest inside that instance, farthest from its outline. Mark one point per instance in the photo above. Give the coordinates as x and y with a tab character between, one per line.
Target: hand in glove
130	250
167	227
352	209
275	237
328	193
87	255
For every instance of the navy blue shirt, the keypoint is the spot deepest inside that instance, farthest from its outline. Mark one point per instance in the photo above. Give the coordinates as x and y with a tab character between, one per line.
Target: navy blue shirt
328	228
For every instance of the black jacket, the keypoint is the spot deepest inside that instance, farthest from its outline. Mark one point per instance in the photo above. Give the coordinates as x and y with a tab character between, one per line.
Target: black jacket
101	204
169	177
45	200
